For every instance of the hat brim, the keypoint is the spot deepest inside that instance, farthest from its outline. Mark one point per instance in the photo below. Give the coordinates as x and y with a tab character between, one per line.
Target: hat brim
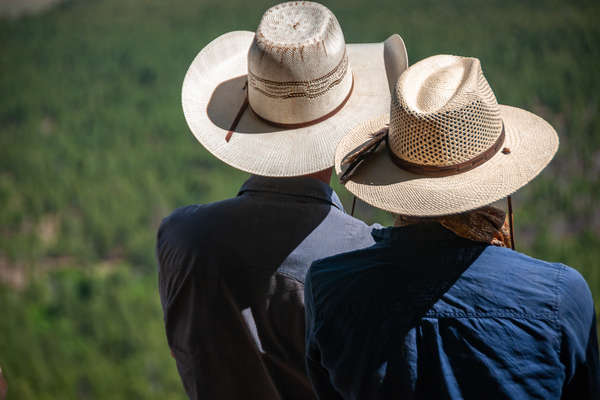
381	183
213	92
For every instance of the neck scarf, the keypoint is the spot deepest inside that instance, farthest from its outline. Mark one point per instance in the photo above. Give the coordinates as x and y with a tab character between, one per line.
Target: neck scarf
487	224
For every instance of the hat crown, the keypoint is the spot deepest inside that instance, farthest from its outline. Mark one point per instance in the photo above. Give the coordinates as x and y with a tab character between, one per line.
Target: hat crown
296	24
443	112
297	65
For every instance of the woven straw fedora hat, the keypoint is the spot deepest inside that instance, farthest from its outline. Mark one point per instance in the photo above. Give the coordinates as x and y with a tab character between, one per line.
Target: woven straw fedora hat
446	146
276	103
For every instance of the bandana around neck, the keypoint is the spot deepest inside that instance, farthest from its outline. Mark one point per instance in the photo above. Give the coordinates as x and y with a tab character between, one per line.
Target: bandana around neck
487	224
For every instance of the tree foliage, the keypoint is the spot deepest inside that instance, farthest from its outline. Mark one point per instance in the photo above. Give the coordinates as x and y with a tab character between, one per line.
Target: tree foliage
94	151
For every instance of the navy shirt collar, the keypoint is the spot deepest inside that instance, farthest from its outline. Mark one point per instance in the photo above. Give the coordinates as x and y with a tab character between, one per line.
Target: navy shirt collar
431	231
293	186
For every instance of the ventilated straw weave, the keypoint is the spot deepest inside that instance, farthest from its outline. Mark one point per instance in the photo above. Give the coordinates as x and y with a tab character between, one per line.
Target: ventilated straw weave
296	68
297	65
446	117
444	113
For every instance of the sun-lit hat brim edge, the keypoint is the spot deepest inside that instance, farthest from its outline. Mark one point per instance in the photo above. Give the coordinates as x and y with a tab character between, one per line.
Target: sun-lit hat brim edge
379	182
271	151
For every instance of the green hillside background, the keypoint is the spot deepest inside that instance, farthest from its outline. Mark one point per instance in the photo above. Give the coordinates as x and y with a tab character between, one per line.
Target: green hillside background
94	152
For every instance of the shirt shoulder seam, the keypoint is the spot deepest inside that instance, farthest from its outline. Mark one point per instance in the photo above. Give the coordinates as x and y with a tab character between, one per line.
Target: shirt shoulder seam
489	315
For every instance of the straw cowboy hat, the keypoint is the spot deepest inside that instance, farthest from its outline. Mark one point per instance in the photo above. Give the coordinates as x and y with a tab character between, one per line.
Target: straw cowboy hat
446	146
276	103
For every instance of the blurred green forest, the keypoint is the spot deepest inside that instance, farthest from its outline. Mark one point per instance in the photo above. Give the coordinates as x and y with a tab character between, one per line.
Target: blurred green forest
94	152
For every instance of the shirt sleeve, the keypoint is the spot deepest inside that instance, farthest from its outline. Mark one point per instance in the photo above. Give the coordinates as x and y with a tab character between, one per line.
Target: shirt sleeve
318	374
579	344
204	328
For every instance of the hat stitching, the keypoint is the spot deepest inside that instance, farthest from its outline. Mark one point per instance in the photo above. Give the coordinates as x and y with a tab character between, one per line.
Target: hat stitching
308	88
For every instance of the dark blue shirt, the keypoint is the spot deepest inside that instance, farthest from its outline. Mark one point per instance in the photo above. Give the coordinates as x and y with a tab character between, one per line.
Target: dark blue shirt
425	314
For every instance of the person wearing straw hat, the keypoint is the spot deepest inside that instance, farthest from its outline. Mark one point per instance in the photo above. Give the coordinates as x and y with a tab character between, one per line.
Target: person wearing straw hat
441	307
274	103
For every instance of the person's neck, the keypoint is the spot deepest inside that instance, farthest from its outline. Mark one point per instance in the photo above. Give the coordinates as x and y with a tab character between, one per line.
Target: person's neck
323	176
